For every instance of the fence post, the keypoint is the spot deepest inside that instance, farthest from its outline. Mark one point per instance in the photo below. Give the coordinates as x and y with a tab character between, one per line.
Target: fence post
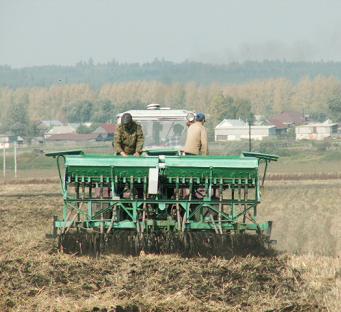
15	159
4	161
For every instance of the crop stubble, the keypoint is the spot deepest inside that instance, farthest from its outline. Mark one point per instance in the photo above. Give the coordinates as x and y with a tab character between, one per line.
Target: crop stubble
34	277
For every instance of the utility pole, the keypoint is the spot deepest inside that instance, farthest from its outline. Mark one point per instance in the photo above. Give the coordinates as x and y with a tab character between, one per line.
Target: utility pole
15	159
250	148
250	120
4	161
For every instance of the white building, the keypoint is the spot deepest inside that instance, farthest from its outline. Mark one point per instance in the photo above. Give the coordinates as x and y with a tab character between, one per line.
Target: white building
50	123
60	130
316	131
236	130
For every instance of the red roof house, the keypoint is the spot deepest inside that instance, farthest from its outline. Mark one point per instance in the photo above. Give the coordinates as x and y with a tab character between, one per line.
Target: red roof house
105	132
287	119
105	128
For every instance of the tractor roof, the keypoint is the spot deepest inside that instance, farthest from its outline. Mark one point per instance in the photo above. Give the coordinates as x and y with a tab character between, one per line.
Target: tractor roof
155	114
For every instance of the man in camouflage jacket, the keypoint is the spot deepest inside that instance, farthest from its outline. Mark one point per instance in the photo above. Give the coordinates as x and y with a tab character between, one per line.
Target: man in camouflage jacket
128	137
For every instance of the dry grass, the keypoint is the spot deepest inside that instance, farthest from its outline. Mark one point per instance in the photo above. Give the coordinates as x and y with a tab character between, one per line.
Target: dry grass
311	164
153	283
307	164
34	278
306	215
323	278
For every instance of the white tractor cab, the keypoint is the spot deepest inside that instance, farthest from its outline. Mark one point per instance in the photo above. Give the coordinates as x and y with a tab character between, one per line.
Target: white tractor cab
164	129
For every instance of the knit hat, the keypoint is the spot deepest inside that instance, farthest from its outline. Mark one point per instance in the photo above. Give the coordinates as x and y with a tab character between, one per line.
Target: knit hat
126	119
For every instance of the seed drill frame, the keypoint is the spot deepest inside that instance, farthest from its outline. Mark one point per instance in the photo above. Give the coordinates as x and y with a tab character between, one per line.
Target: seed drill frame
161	192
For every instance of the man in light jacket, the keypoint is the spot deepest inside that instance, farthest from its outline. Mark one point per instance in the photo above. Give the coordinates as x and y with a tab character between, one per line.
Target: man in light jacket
196	141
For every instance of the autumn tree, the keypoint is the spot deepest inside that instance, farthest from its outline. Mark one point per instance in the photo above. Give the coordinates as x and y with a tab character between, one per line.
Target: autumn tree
131	105
334	105
104	111
219	108
226	107
76	102
80	111
243	110
16	120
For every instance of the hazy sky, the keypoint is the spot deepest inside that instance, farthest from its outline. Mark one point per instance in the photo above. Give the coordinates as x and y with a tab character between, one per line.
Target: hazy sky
41	32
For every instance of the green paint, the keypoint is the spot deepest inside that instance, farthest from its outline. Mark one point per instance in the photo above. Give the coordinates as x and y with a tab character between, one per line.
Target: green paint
196	193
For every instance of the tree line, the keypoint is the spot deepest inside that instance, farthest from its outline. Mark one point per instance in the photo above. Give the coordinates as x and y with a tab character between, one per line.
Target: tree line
166	72
20	108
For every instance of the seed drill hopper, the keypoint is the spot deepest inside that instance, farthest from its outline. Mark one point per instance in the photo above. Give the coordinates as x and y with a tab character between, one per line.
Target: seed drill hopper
133	201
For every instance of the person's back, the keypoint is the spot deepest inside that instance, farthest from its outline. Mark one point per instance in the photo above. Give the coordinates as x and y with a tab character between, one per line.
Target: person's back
196	141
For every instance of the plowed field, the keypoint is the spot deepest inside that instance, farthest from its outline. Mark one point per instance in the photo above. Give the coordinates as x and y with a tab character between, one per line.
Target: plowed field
305	274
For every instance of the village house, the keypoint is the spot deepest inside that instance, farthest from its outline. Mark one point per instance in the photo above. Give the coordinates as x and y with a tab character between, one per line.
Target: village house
6	138
60	130
45	125
286	120
316	131
236	130
105	131
48	124
72	137
10	138
76	125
